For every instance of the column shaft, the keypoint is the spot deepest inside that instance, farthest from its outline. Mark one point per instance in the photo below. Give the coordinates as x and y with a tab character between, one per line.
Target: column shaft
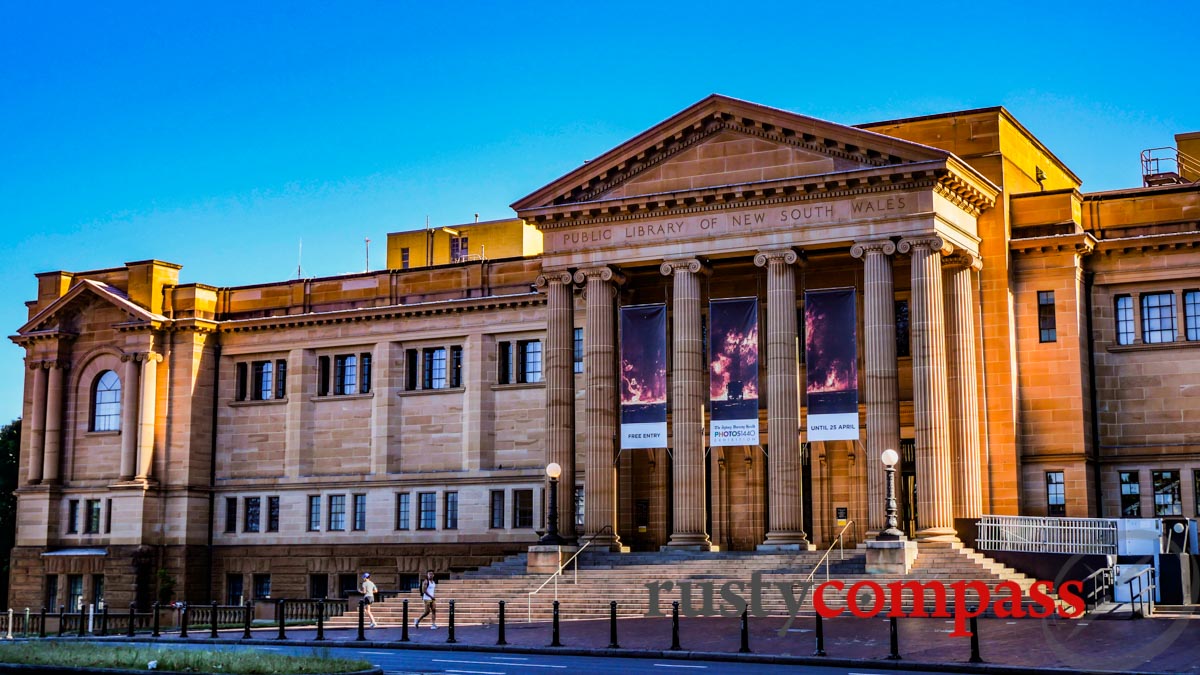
935	519
54	414
785	518
129	417
37	425
964	397
145	434
600	406
560	392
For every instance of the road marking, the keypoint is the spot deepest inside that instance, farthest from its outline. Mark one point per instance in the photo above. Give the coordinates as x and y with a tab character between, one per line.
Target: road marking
378	653
493	663
478	672
671	665
510	658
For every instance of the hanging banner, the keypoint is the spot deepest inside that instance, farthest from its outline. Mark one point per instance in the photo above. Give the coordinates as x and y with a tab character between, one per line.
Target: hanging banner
831	357
733	371
644	377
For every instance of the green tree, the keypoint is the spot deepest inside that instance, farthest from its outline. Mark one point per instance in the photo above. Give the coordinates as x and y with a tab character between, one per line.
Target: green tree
10	454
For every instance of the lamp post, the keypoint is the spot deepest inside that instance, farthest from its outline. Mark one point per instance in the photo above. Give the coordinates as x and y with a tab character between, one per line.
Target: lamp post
892	533
551	538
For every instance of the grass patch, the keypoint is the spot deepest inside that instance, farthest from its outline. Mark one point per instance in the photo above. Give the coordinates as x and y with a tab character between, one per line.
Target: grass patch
245	662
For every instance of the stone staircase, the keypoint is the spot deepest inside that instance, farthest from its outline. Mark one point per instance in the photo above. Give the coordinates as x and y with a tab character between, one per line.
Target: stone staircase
628	577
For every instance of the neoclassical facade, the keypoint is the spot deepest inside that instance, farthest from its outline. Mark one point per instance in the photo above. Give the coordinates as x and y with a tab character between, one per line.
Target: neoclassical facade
1026	347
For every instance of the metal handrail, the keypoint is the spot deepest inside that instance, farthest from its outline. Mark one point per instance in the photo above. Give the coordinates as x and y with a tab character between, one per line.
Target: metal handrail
557	573
1099	589
825	558
1140	598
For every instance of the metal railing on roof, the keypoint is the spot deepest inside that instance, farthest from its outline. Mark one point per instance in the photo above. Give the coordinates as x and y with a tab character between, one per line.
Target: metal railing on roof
1032	534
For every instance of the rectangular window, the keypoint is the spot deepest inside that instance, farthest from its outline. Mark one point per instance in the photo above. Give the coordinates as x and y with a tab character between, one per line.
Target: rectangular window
404	258
231	514
241	385
314	513
1158	318
1056	496
578	350
522	508
51	591
1131	495
426	510
272	514
337	513
264	388
403	511
235	589
1124	320
450	510
504	353
1191	314
281	378
322	376
1047	327
456	366
74	592
458	248
92	524
364	380
1167	501
902	333
410	370
531	361
98	591
435	368
262	586
360	513
345	374
107	516
73	516
578	506
253	515
496	514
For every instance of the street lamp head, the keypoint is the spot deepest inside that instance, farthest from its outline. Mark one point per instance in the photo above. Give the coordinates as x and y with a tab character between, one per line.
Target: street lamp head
890	458
553	470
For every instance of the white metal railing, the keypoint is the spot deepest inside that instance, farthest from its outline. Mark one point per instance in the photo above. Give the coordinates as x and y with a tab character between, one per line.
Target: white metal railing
825	558
1031	534
573	561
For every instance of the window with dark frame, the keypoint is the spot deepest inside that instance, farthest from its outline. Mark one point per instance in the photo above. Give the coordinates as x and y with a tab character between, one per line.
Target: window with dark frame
345	374
902	329
1158	318
51	591
281	378
360	513
434	371
1056	495
263	381
426	510
531	361
262	586
410	370
314	513
403	511
1167	499
337	513
241	381
404	258
252	518
364	378
322	376
578	350
456	366
107	516
1047	323
1125	327
1131	494
578	506
106	402
522	509
1191	315
450	510
75	593
231	509
91	524
504	356
496	510
272	514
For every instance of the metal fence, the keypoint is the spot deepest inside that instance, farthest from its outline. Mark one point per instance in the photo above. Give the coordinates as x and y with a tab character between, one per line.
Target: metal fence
1029	534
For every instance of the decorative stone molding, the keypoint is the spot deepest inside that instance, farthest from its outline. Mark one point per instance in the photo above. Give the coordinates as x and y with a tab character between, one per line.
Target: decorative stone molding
557	277
604	273
693	265
932	242
786	256
862	248
962	259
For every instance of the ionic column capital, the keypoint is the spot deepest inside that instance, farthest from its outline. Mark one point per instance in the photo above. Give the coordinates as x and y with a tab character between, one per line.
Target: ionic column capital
692	265
603	273
962	259
37	365
141	357
931	242
557	277
861	249
786	256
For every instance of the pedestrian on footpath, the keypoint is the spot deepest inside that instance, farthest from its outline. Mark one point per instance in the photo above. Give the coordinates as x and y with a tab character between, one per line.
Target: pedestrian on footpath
429	595
369	590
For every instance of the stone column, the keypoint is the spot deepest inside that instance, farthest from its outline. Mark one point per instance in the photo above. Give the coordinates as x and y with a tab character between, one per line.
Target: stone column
37	423
54	419
145	434
687	402
560	391
931	405
883	391
785	519
600	404
964	397
129	416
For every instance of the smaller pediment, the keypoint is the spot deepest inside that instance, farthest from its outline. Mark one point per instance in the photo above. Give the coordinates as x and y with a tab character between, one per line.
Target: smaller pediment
59	312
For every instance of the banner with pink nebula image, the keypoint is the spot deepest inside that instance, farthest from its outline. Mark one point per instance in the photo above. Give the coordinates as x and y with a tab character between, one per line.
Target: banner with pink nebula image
643	376
733	371
831	357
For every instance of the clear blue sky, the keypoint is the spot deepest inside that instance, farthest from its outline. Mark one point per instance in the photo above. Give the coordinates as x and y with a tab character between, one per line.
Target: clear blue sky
218	135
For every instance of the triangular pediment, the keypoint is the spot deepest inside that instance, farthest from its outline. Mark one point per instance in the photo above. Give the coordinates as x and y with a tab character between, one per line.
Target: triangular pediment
724	141
59	314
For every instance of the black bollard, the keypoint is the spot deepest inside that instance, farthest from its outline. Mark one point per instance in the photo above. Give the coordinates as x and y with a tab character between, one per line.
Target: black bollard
132	608
554	641
104	621
745	632
362	607
154	620
820	637
42	627
975	657
212	620
500	640
246	618
321	619
62	620
675	626
612	625
183	621
404	628
280	612
450	629
895	639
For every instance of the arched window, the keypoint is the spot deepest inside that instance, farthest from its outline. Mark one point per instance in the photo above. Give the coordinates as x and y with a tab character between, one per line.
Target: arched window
106	402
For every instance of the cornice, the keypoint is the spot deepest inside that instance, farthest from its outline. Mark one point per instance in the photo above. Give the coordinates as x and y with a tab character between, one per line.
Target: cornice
1148	243
1077	243
383	313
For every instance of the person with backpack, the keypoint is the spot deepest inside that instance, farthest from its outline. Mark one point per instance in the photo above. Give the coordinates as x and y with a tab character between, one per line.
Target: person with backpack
429	595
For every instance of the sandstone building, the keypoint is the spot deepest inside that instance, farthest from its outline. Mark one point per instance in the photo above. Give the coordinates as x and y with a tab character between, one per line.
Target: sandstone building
1030	348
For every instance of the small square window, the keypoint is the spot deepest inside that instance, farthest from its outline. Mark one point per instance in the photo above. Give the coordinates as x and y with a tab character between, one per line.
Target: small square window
1167	501
1158	318
1056	496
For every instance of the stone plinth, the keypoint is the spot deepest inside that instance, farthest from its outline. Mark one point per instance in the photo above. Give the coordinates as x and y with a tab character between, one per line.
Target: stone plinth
546	559
890	557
